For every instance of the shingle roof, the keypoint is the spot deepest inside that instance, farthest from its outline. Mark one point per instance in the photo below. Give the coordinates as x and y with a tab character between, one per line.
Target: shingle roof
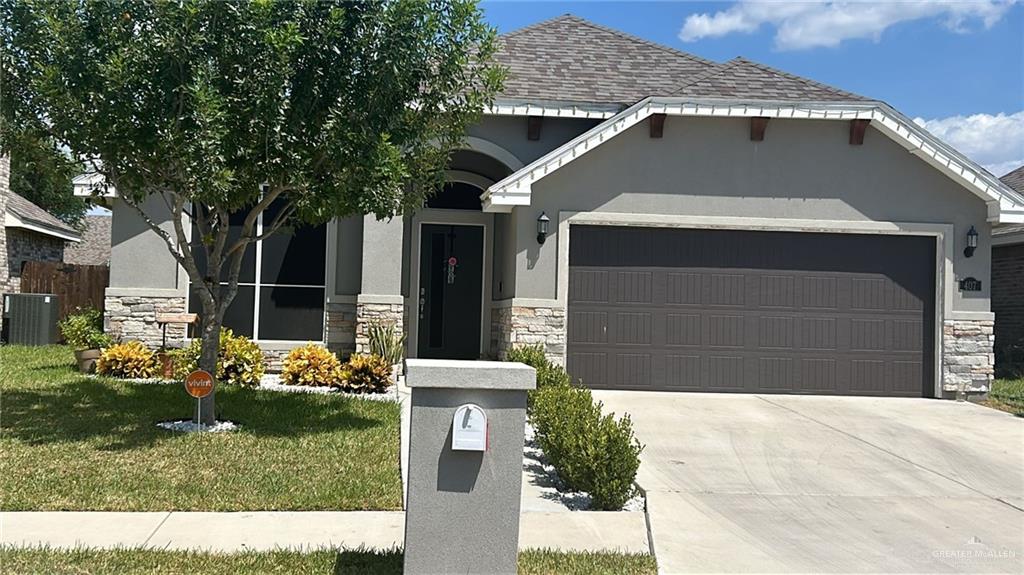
569	59
31	213
1015	179
741	78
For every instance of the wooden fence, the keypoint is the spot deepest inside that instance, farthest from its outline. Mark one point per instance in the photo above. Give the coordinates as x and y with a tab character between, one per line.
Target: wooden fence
75	285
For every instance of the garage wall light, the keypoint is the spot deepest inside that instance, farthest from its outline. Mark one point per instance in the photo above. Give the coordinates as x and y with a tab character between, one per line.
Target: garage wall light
542	227
972	242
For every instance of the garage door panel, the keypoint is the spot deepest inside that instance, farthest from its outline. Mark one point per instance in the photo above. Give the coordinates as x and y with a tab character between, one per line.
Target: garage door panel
667	318
633	287
589	286
589	327
633	328
683	329
683	288
725	372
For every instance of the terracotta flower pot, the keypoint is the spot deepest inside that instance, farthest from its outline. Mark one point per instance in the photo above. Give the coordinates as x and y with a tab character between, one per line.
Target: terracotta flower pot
166	364
86	359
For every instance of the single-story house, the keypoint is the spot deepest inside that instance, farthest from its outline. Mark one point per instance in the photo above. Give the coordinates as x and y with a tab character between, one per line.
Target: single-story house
655	220
1008	288
29	233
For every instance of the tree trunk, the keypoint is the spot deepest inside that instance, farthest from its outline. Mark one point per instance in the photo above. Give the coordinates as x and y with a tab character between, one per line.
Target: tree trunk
210	347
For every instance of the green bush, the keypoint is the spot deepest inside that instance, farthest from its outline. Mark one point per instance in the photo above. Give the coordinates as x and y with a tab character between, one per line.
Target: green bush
387	341
548	374
591	452
311	364
127	360
531	355
239	360
84	329
612	458
365	374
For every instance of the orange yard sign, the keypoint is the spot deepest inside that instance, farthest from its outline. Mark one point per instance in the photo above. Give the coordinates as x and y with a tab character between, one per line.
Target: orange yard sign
199	384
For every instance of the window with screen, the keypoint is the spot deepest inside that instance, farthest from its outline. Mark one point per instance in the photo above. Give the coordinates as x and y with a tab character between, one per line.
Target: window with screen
281	285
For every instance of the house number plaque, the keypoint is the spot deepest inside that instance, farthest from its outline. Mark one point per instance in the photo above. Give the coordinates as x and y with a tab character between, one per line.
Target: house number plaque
970	284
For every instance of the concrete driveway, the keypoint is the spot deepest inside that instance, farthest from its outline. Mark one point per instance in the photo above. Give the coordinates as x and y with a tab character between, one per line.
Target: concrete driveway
767	483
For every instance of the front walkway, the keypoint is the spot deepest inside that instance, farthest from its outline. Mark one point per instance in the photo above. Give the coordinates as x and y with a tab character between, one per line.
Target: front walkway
776	483
265	530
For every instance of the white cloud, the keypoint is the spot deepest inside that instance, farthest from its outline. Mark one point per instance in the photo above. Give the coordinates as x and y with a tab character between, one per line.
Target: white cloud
994	141
810	24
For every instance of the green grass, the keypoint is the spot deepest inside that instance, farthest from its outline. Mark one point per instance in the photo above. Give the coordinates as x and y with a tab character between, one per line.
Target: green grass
1007	395
326	562
70	442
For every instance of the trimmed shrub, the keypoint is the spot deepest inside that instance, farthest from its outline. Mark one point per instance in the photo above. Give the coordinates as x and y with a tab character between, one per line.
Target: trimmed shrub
531	355
611	458
365	374
386	341
239	360
84	329
312	365
591	452
127	360
564	418
548	374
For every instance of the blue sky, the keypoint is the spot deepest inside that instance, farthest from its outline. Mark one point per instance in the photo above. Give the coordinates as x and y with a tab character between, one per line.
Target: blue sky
957	66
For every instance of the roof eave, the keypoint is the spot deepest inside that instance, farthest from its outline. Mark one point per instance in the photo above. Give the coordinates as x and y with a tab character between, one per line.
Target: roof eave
12	220
1004	204
552	108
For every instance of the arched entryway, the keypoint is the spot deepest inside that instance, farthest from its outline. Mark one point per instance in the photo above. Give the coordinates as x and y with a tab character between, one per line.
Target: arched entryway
452	256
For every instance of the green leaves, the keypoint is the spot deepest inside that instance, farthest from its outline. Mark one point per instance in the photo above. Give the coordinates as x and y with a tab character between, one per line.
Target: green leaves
352	106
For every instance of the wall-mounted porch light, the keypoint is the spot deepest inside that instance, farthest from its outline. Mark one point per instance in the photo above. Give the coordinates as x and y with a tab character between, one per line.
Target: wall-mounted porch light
542	227
972	242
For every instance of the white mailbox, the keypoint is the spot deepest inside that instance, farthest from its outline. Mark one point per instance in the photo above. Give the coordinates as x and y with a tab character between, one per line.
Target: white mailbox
469	428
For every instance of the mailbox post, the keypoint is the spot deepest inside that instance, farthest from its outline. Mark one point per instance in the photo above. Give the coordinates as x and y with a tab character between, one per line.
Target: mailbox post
465	465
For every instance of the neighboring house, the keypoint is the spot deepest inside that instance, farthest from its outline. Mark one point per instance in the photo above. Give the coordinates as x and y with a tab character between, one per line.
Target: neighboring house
1008	288
709	227
28	233
94	249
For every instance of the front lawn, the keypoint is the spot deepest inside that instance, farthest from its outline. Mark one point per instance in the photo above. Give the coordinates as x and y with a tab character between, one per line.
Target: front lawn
326	562
71	442
1007	395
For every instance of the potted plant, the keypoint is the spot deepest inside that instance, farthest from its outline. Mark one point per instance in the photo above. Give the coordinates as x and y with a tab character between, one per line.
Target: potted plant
83	331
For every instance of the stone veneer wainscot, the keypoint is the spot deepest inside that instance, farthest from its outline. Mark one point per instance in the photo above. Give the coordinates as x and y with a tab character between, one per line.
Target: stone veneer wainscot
341	328
134	318
968	358
519	325
368	313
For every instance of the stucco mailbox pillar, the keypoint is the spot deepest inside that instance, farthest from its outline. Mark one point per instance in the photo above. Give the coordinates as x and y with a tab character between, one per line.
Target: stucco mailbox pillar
462	505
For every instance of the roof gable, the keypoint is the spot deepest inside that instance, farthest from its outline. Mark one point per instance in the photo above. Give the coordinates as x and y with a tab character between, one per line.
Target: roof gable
1004	204
570	59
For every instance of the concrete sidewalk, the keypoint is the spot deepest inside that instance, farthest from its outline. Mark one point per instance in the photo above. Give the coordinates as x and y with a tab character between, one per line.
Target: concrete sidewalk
264	530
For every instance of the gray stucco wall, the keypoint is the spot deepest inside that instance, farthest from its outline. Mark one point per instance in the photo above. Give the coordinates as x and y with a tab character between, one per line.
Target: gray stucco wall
709	167
382	248
503	285
138	257
509	132
348	255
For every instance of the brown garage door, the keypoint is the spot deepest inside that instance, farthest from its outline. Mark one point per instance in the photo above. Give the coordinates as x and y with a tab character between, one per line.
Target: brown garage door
764	312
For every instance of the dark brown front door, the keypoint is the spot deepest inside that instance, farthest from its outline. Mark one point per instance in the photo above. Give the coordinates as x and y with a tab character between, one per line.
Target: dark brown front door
451	288
758	312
